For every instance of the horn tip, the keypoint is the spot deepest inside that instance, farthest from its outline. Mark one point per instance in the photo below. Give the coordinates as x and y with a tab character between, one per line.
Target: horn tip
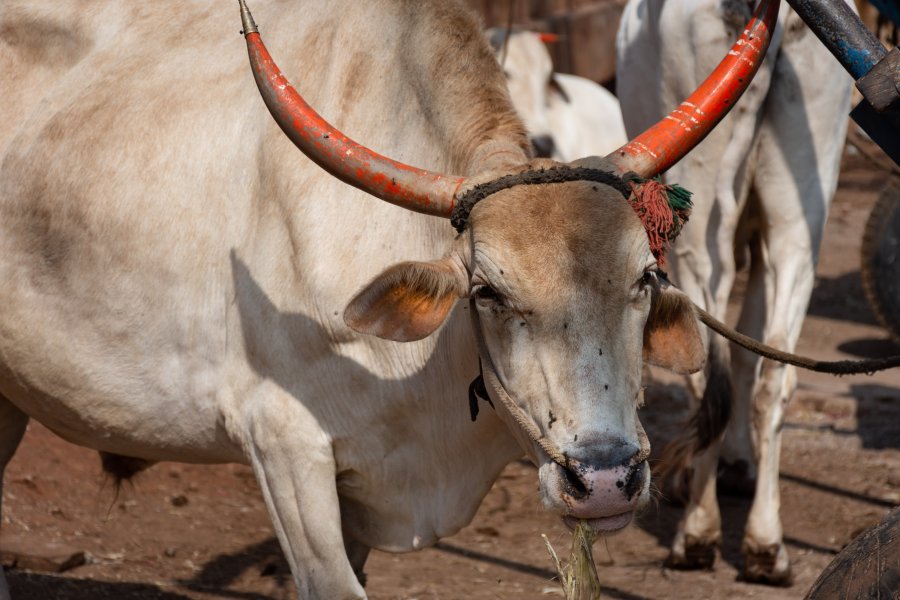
247	22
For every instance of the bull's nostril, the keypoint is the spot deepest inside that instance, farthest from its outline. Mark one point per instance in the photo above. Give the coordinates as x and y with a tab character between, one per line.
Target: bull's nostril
574	485
635	480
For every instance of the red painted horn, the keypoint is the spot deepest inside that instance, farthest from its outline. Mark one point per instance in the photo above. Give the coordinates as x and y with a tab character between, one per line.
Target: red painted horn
667	142
416	189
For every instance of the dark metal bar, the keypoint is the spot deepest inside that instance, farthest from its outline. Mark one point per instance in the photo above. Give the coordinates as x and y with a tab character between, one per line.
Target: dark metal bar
877	73
833	22
883	128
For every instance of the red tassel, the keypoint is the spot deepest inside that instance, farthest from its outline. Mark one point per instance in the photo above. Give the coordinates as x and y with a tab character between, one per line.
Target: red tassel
650	201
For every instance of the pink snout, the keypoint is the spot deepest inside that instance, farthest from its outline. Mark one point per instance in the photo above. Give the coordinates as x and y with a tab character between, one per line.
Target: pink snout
606	498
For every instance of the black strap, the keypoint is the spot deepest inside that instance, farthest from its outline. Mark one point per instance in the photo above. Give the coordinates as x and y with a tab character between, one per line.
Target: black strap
562	174
476	391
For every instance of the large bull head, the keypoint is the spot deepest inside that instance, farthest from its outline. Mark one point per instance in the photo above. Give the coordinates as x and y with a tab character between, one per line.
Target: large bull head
566	297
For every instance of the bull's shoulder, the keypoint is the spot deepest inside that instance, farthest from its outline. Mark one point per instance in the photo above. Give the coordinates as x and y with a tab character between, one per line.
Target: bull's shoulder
49	36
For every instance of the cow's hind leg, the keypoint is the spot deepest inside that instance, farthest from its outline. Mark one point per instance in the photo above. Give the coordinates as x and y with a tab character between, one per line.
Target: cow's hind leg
294	464
699	533
12	428
698	537
799	153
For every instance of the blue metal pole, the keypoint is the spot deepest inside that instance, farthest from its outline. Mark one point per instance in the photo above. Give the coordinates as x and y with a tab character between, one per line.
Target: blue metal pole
838	27
861	54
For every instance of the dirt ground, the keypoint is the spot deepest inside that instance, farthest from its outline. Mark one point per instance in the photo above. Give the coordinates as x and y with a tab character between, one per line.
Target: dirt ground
195	532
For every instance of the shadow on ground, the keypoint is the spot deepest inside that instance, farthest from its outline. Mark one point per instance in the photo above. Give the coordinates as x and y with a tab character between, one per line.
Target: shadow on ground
265	559
877	415
39	586
841	298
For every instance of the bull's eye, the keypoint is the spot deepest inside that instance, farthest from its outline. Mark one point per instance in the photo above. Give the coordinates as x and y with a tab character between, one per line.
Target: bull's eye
487	294
650	278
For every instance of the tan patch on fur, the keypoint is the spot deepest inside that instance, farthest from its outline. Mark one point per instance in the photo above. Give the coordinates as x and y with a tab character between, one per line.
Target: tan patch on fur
41	41
355	80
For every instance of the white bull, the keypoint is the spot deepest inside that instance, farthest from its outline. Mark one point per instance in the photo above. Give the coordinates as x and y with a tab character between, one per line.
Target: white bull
181	284
566	116
763	182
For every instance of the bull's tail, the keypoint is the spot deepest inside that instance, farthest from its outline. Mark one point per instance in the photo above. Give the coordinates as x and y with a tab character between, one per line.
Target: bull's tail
122	468
703	428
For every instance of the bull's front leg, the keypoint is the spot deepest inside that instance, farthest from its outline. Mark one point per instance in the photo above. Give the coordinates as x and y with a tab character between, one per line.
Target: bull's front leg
12	428
761	391
294	464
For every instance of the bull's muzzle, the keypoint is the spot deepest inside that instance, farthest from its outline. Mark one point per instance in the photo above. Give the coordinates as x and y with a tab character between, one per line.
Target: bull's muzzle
603	484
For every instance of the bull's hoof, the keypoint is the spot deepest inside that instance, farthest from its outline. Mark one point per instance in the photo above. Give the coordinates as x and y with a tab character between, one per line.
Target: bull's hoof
769	565
696	554
734	479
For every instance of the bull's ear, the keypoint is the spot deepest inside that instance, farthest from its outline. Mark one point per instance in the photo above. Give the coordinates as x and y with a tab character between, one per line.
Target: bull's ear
672	337
407	302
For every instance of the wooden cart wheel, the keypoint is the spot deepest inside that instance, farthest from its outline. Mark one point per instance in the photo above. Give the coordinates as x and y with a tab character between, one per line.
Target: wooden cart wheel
881	258
868	567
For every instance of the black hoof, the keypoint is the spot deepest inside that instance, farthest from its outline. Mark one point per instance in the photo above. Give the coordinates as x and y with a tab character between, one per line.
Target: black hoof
769	566
697	555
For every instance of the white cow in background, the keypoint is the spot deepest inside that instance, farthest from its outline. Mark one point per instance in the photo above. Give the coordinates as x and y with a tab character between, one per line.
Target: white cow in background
762	184
566	116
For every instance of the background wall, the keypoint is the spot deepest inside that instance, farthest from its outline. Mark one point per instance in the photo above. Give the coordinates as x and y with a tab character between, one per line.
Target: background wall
586	30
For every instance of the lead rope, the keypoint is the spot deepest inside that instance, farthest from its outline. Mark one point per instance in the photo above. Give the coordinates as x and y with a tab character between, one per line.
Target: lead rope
833	367
519	416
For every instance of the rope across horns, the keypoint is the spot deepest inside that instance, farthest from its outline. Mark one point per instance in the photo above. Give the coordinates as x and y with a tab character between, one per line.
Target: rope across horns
663	209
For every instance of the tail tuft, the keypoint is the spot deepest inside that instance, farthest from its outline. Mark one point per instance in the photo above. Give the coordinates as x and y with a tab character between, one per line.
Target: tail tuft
703	429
